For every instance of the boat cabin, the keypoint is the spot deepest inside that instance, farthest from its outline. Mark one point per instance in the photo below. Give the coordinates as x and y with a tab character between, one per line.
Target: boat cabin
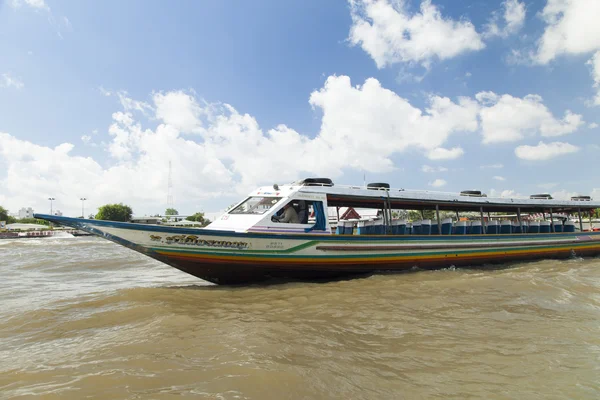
305	207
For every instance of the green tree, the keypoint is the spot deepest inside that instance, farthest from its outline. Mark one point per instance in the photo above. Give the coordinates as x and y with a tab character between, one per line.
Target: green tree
171	211
414	215
3	214
114	212
199	217
33	221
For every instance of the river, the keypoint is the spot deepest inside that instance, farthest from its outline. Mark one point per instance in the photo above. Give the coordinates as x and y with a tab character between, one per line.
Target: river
85	318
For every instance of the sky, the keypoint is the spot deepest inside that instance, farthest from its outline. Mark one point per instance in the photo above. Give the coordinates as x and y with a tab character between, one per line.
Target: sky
98	98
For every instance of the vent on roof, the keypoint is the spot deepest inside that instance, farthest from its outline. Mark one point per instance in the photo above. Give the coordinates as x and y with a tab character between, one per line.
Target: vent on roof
541	196
378	186
581	198
315	182
472	193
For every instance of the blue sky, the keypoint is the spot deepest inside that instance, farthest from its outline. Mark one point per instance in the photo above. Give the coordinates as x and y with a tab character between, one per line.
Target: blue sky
97	98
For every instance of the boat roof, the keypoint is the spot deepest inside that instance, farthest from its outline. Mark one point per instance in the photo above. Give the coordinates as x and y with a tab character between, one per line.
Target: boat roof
363	197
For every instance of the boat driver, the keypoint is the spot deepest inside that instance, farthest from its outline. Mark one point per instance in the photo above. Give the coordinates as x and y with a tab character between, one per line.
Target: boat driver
289	215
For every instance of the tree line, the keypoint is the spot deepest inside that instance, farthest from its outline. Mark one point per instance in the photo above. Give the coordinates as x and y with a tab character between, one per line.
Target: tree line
109	212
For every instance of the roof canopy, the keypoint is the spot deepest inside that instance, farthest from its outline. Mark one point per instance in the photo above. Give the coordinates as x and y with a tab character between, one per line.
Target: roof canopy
352	196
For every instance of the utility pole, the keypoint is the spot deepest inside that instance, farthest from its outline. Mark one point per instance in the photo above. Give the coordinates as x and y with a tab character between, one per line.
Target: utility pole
83	199
51	199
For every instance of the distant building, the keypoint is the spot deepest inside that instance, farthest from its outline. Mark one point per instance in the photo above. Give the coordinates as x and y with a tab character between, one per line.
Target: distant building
26	213
146	220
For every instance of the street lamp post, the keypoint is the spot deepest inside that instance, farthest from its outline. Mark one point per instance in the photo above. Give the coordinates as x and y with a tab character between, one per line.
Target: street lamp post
83	199
51	199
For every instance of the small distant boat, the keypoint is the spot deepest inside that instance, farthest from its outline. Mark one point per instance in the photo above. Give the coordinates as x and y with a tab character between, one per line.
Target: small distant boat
250	243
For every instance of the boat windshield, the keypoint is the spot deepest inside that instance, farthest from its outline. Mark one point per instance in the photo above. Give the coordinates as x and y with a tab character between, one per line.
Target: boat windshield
255	205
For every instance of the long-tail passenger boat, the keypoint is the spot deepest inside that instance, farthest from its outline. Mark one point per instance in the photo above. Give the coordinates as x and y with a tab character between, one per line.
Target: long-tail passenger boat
250	242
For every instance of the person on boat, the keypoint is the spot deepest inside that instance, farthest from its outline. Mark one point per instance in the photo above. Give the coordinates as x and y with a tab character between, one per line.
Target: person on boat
289	215
302	212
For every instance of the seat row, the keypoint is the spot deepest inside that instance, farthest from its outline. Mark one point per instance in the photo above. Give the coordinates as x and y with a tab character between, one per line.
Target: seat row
425	227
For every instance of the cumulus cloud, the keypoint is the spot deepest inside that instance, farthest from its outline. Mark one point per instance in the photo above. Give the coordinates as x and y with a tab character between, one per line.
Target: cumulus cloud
9	81
439	153
506	118
499	178
438	183
228	151
392	123
514	17
571	28
545	151
594	62
593	125
178	109
390	34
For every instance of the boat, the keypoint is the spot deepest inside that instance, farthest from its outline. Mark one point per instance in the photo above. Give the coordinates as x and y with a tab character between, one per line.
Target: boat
249	243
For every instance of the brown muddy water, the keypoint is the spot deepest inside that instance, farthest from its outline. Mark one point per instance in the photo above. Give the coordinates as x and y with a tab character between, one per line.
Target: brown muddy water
85	318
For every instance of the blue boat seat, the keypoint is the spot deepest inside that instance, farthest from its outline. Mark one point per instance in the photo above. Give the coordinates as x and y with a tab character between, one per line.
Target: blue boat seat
524	227
569	226
416	228
378	228
558	226
426	227
505	226
534	227
446	226
362	227
399	226
544	226
460	228
475	228
493	227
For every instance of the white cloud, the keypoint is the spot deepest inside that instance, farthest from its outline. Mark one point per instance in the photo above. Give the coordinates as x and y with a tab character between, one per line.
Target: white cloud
545	151
393	124
507	118
493	166
428	169
563	195
439	153
571	28
229	153
438	183
178	109
7	81
104	92
507	193
133	105
388	32
593	125
595	64
36	4
514	17
499	178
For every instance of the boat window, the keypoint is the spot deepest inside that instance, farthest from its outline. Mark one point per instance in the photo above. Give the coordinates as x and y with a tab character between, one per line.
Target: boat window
303	209
255	205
